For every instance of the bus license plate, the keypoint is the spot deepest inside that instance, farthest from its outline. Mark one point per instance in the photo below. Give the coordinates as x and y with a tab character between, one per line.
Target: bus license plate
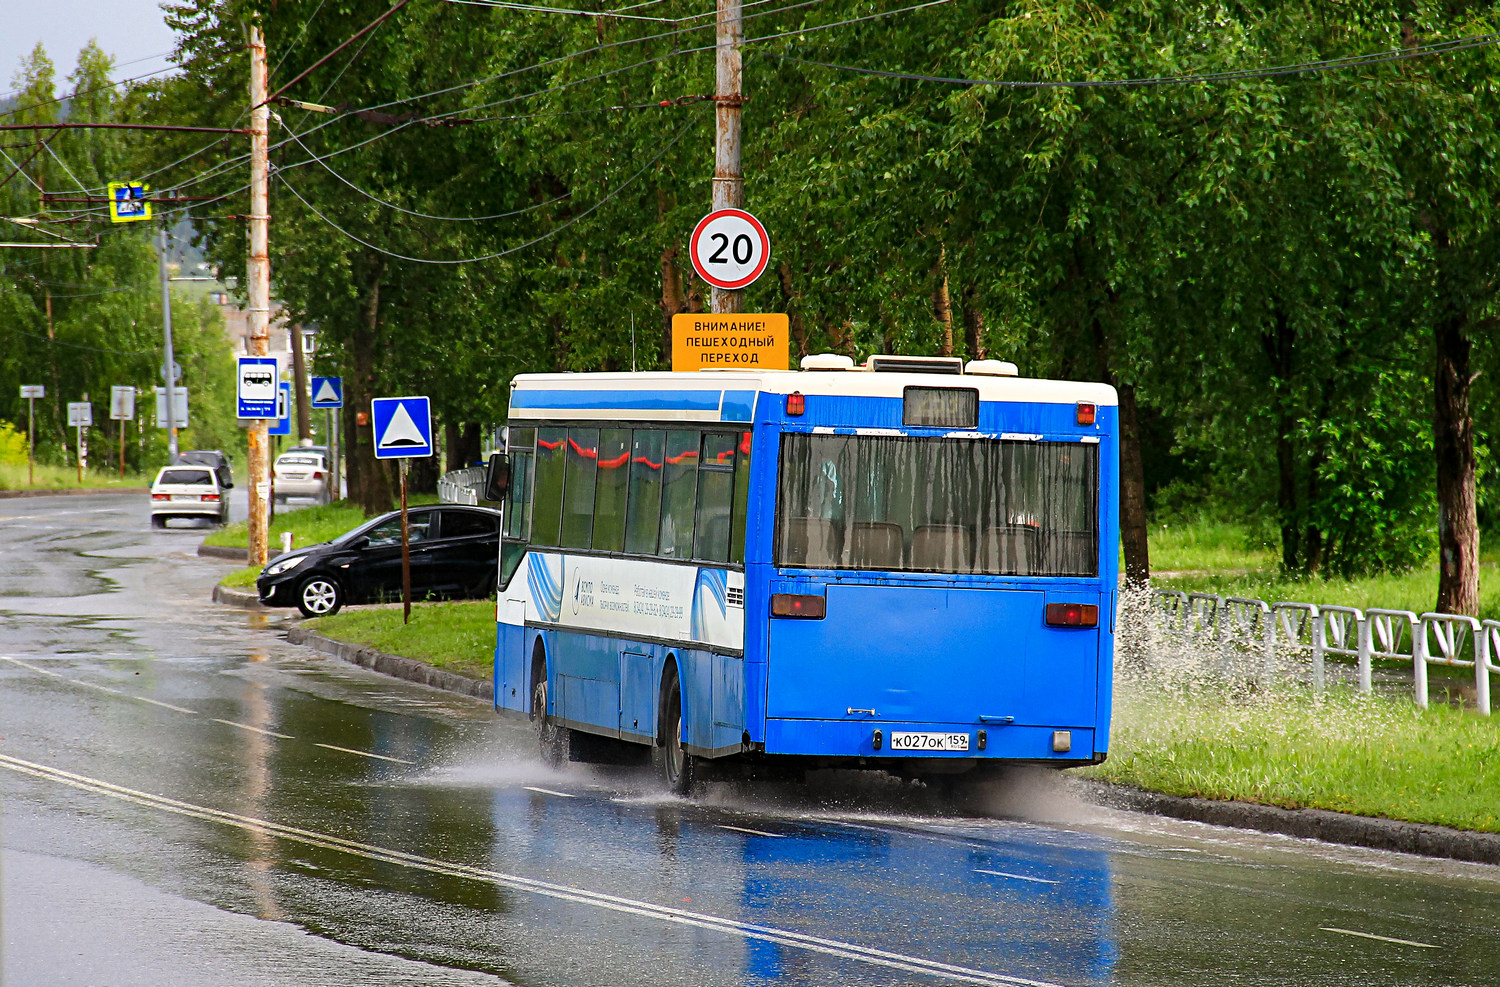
929	741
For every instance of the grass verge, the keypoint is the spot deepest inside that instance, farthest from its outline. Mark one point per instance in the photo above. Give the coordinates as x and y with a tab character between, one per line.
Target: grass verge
241	578
457	636
1347	752
14	477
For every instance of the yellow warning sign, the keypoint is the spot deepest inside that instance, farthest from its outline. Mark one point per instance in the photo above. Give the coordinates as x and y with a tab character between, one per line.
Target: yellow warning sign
730	342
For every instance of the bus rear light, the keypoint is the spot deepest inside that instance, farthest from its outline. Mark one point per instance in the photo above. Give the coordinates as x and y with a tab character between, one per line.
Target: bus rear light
796	404
1072	615
1087	413
798	605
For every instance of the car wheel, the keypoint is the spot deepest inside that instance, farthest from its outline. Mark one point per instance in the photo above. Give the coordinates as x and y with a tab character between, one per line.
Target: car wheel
675	765
319	596
551	738
158	521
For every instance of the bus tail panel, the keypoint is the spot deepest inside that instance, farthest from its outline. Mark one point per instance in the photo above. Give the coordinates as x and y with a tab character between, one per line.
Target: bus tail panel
857	739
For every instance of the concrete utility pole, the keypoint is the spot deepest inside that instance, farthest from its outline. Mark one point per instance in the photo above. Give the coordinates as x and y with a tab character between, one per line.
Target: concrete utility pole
729	184
299	383
260	289
166	331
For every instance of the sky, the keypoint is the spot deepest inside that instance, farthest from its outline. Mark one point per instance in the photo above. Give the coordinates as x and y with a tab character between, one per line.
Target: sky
132	31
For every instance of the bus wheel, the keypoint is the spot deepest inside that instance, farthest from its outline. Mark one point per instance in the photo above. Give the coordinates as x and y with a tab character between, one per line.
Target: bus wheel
675	764
551	738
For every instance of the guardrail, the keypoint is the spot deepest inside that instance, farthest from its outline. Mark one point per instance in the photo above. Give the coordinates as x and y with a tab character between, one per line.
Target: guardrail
461	486
1318	632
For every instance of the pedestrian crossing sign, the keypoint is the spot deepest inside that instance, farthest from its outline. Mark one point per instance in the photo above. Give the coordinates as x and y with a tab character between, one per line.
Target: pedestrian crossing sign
128	202
403	427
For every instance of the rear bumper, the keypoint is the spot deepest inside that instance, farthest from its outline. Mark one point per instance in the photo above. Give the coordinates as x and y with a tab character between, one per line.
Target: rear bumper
300	488
856	738
188	508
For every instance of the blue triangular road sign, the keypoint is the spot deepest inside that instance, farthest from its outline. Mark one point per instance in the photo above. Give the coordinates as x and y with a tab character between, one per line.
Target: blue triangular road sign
403	427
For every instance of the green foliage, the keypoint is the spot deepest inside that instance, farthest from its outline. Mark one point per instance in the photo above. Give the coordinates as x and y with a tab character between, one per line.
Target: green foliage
12	445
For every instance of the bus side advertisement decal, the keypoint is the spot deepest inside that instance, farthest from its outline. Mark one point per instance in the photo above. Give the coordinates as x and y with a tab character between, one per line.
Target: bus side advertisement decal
639	598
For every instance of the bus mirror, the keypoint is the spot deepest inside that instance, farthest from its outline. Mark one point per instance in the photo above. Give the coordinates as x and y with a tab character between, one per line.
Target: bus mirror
497	477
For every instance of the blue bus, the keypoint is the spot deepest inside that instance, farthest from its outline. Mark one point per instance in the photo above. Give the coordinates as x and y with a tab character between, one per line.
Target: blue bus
907	565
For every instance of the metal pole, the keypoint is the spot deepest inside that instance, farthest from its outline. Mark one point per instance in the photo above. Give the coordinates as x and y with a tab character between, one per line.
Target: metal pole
729	185
80	455
405	553
260	288
31	442
120	428
166	330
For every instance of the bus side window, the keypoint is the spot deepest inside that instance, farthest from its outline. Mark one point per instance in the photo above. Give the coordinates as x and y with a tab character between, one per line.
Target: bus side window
522	450
546	508
578	491
715	493
741	498
609	498
643	509
679	489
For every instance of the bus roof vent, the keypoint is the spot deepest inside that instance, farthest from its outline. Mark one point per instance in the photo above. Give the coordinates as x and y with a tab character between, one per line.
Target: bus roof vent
991	368
886	363
826	361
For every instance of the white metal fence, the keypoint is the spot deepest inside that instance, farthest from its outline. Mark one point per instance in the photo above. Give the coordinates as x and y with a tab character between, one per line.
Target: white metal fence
1345	635
462	486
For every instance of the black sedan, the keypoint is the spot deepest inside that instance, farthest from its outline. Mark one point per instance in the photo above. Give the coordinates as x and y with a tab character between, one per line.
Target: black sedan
454	552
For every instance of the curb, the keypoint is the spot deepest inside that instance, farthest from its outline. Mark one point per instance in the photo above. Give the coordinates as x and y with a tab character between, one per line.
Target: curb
229	552
70	492
1421	839
394	665
232	597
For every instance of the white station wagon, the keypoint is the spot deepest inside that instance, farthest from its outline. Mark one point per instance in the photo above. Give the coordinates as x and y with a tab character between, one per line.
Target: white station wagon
188	492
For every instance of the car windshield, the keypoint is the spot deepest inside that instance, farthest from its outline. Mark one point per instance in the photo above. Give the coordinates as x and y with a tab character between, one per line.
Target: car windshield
186	476
201	458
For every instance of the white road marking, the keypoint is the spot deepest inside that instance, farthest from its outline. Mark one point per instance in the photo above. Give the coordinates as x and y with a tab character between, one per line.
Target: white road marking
1371	935
754	832
101	688
596	899
246	726
548	791
350	750
1014	877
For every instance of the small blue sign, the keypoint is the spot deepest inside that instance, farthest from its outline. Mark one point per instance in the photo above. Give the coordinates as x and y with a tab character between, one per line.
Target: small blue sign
283	424
257	387
403	427
328	392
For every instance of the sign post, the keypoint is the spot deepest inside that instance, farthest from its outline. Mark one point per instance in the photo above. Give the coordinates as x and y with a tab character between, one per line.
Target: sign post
80	416
403	430
328	394
122	410
30	392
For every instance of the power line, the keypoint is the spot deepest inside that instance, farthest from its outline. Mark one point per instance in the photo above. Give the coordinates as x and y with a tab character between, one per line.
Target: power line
535	240
1230	75
422	215
536	8
77	346
84	92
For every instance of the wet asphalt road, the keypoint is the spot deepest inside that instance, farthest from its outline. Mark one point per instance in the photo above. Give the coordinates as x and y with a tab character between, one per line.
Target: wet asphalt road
187	799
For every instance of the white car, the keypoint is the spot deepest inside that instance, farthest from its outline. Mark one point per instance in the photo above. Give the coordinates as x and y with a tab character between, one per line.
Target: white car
302	473
188	492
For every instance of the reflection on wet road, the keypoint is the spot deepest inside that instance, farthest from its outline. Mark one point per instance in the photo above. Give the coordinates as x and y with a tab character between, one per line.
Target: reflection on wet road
223	807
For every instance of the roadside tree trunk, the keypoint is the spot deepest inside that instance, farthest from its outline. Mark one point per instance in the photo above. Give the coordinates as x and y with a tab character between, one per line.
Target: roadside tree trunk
1453	443
942	303
673	300
1133	523
788	302
973	323
369	480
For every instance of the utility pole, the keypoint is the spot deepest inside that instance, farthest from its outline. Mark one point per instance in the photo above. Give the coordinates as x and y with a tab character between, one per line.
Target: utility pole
260	288
729	183
170	364
299	383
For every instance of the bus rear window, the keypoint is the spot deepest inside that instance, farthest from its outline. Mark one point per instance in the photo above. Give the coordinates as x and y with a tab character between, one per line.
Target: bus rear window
938	505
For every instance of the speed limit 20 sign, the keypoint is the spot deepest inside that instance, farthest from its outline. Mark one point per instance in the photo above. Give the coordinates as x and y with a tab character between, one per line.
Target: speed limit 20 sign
730	248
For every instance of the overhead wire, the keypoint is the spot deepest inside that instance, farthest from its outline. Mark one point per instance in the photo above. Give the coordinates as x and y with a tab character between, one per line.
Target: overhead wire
77	346
510	250
1228	75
